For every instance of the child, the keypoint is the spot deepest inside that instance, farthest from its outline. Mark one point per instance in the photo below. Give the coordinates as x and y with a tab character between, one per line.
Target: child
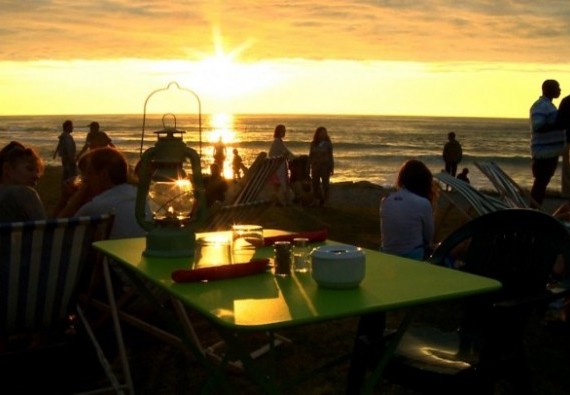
463	175
237	165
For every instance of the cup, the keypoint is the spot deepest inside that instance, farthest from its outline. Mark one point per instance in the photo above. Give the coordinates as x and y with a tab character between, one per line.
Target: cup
301	257
282	258
212	251
245	239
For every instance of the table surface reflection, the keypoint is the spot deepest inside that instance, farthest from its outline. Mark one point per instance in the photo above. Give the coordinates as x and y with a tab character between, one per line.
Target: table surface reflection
264	301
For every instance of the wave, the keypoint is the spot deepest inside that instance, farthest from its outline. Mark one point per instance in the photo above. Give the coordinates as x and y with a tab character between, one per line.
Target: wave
366	147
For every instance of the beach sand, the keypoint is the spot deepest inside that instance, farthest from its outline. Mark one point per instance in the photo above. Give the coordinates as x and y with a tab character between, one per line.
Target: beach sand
352	217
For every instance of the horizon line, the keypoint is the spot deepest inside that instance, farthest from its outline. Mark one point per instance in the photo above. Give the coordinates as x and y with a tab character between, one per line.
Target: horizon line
268	114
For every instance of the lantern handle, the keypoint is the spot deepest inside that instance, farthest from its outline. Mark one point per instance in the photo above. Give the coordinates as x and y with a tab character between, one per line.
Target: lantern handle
176	85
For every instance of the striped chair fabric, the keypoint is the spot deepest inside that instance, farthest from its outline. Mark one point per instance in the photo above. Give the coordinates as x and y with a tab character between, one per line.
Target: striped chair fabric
511	192
480	202
256	178
248	203
40	266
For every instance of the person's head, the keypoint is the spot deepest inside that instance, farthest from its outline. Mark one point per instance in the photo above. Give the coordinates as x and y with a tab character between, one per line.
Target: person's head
235	151
551	89
279	131
94	127
415	176
67	126
465	171
20	165
451	136
321	134
103	168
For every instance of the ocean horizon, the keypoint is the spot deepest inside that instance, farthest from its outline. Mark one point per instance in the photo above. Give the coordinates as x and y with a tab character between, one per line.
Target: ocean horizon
366	147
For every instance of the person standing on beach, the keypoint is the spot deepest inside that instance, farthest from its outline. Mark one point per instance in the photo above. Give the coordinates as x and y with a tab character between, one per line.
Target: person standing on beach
220	155
452	154
281	178
20	169
95	139
237	165
563	122
406	216
321	162
67	150
547	140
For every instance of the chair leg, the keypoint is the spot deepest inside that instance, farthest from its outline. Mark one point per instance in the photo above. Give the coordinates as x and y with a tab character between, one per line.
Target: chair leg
117	327
367	348
116	386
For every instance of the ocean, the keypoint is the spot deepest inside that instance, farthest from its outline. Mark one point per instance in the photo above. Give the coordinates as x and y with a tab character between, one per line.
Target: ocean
366	148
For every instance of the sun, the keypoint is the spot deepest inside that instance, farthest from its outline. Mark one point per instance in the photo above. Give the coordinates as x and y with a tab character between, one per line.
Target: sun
223	76
222	126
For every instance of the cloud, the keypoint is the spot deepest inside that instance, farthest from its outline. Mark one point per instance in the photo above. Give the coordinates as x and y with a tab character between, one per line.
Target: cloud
431	30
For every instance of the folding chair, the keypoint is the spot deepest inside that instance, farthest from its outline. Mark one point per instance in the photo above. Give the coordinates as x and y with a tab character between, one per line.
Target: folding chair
468	201
248	203
509	191
485	353
477	201
41	270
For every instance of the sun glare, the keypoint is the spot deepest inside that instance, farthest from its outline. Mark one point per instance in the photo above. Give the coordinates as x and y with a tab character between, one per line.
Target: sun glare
223	76
222	125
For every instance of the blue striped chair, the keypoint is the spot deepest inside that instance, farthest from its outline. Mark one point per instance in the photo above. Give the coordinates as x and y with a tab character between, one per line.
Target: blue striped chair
41	267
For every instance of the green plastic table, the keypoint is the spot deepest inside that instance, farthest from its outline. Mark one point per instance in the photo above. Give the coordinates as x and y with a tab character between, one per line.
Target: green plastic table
264	302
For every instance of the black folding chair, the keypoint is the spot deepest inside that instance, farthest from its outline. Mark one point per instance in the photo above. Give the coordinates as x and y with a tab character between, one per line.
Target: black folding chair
522	248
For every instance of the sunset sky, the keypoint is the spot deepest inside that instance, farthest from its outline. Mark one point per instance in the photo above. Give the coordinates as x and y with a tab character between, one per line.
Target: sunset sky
429	57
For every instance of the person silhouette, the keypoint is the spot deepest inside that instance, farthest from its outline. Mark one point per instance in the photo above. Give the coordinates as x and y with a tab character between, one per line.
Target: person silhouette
321	161
215	185
67	150
563	122
237	165
280	179
547	140
220	154
463	175
96	138
452	154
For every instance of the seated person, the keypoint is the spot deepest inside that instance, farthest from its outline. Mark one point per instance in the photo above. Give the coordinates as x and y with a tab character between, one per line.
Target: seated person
215	185
20	169
406	216
300	181
105	189
463	175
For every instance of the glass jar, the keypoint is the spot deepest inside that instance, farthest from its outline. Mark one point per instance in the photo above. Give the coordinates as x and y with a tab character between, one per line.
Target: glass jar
301	257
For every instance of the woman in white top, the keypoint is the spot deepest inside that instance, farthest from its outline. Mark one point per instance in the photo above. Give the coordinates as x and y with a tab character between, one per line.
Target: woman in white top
281	178
406	216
